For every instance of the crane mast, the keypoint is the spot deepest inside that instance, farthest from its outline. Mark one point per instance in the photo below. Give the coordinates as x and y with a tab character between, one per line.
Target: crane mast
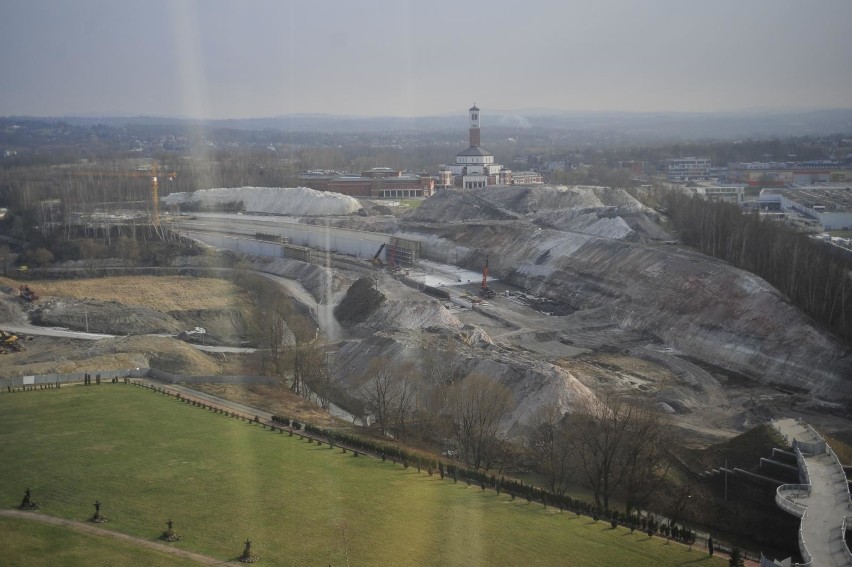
155	196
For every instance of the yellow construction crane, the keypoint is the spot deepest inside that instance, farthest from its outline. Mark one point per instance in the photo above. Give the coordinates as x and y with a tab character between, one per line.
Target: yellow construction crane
155	197
155	192
153	172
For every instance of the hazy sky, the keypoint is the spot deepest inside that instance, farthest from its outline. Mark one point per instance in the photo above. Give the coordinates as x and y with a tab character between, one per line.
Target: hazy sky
252	58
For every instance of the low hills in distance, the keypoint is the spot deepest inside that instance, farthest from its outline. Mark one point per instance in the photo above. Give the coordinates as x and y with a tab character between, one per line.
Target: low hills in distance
629	125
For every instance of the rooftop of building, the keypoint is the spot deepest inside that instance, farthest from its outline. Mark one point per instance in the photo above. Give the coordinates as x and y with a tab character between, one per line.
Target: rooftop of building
813	164
835	197
474	151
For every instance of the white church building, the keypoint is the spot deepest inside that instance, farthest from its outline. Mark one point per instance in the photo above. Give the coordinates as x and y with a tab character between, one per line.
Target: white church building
475	166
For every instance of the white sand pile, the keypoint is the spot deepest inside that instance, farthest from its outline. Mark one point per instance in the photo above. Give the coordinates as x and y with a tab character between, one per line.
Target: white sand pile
275	200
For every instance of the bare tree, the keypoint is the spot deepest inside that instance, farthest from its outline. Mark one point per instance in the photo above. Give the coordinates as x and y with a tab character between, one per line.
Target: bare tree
42	257
278	335
437	377
380	392
405	394
616	442
550	443
478	403
6	258
128	248
644	459
323	382
91	251
305	354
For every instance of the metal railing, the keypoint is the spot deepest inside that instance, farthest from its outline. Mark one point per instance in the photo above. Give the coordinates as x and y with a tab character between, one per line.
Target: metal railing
842	471
784	495
807	558
804	474
843	539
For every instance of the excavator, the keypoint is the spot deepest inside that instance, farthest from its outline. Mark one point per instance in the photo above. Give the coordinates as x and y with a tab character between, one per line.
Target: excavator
25	293
377	261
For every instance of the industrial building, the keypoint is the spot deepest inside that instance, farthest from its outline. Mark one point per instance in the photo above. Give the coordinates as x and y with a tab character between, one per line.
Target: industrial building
780	174
688	169
716	192
829	205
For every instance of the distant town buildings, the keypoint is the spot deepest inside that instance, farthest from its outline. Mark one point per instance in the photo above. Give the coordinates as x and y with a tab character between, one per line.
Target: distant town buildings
719	192
779	174
474	167
688	169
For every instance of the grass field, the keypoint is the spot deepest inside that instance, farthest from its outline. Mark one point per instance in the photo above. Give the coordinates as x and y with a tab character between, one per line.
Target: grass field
149	458
165	293
30	544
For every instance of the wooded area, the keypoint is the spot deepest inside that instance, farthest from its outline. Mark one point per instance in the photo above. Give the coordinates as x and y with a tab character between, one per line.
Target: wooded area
814	275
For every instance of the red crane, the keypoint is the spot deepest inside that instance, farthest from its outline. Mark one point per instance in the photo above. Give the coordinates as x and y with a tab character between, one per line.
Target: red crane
485	291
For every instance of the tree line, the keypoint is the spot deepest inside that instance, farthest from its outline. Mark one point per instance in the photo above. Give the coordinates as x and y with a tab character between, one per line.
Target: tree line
811	274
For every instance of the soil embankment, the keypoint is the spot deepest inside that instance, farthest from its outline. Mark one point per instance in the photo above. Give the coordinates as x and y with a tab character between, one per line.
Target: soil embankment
574	246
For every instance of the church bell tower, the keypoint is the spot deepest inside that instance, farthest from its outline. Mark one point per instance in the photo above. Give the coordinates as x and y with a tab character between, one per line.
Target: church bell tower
474	126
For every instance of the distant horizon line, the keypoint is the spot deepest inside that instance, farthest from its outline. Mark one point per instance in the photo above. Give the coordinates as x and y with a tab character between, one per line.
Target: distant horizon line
495	112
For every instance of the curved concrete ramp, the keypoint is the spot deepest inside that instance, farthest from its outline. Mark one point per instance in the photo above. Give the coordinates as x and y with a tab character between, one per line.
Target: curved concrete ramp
821	500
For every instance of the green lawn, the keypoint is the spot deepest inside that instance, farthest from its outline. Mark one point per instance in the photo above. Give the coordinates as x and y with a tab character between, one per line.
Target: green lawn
30	544
148	458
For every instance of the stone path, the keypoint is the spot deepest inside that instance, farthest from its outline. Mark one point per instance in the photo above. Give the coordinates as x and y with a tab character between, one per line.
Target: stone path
88	528
828	503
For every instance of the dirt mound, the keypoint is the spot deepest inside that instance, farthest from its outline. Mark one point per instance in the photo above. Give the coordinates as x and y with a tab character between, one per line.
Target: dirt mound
412	315
449	205
163	293
108	317
360	301
532	383
47	355
598	211
161	353
512	202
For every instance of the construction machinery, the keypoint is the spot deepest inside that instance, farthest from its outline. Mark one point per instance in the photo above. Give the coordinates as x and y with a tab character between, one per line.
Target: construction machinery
155	193
25	293
484	290
377	261
9	342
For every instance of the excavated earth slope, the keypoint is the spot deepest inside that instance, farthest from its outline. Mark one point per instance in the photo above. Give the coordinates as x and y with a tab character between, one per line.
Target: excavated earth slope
591	248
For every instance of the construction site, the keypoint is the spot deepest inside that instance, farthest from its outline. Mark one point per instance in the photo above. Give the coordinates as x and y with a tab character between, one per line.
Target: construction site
557	291
560	294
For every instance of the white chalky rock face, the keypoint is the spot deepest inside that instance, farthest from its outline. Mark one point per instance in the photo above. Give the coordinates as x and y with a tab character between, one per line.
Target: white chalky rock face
275	200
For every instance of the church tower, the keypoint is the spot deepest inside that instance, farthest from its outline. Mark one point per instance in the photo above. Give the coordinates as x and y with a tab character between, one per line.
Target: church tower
474	126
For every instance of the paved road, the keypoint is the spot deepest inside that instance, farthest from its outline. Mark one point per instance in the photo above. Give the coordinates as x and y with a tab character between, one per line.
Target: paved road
88	528
828	503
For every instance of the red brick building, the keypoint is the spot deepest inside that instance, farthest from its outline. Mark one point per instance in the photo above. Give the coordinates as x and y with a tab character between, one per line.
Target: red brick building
376	183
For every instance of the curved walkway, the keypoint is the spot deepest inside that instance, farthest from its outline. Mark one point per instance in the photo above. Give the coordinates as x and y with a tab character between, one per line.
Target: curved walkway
827	505
88	528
